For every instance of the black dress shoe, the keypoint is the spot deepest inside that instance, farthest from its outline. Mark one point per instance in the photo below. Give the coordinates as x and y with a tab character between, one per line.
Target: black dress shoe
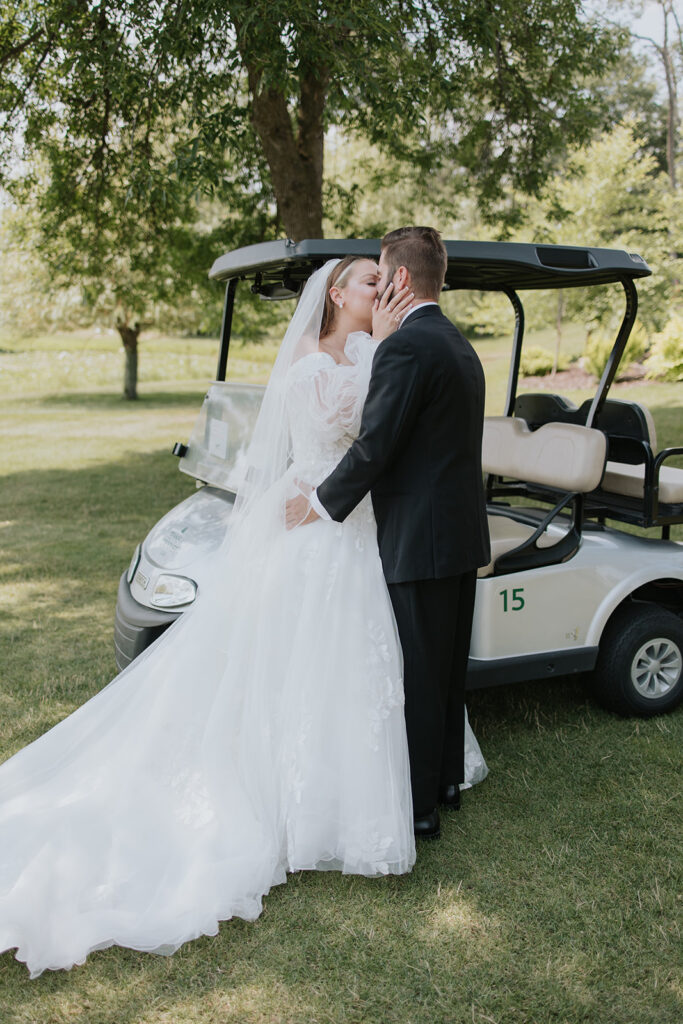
428	826
449	796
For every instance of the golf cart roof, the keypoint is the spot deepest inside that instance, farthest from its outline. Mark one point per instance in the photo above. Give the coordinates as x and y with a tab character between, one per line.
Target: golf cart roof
480	265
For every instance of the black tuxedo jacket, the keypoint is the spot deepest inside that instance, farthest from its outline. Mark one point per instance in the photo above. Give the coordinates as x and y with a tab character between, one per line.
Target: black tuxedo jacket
419	453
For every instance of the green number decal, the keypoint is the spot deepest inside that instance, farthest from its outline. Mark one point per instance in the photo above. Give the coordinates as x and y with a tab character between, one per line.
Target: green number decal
517	602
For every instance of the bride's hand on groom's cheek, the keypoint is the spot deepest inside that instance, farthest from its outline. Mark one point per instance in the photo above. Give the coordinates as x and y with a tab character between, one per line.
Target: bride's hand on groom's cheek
388	311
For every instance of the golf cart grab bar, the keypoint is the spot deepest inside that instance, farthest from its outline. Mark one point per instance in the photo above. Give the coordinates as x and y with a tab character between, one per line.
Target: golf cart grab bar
528	555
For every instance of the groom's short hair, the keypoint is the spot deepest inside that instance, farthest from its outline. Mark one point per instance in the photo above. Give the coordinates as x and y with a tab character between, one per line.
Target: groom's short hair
421	251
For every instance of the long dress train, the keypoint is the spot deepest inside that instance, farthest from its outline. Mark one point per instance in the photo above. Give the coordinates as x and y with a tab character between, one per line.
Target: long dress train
262	733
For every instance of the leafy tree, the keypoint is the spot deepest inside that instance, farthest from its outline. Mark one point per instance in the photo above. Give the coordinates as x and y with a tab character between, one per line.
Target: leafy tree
666	355
658	36
629	92
100	204
609	193
495	89
670	56
130	259
612	194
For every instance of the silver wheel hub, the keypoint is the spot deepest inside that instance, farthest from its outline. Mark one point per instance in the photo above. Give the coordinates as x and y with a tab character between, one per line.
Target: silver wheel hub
656	667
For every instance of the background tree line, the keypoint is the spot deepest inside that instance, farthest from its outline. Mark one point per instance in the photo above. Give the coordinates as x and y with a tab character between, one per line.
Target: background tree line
138	140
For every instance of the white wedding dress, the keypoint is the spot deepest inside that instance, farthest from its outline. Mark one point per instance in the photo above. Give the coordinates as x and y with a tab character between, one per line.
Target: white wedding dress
262	733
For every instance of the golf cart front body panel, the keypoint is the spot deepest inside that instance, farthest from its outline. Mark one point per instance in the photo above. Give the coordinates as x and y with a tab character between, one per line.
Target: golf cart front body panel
135	626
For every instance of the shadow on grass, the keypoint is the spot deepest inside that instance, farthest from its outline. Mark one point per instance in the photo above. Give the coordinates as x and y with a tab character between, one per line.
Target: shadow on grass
108	400
66	537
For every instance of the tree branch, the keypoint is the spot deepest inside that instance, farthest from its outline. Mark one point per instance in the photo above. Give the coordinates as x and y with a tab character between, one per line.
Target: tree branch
16	51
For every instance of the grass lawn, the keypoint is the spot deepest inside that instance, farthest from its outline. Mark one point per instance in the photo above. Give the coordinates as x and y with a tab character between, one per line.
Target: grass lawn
553	896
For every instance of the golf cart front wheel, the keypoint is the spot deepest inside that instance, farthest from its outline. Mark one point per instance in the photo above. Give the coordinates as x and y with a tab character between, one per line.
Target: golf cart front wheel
639	670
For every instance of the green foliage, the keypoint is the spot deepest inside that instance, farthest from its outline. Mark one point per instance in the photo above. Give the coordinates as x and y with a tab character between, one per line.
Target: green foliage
537	362
121	238
630	94
665	360
600	343
144	158
611	193
243	91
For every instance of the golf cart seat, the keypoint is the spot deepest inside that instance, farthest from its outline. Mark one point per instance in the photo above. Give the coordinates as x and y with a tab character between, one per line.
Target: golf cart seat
564	458
620	478
629	480
637	487
506	534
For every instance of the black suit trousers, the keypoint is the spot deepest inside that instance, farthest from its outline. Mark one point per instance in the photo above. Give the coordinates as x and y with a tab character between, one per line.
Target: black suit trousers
434	619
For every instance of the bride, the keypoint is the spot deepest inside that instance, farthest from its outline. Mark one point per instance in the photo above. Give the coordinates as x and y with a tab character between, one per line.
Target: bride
262	733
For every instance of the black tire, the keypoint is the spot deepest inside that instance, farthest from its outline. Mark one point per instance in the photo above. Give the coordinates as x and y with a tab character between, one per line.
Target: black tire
628	677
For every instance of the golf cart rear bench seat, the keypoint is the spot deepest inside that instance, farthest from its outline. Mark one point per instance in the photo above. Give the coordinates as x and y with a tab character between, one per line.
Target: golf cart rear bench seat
628	480
620	478
637	487
564	458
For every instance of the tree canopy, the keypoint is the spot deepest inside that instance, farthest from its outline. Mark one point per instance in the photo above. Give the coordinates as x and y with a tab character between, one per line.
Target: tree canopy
145	137
493	89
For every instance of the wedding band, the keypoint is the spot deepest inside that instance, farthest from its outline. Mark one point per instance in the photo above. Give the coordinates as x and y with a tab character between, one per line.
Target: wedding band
397	317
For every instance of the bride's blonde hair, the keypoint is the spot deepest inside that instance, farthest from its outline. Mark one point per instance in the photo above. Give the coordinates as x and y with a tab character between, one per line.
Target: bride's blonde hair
337	277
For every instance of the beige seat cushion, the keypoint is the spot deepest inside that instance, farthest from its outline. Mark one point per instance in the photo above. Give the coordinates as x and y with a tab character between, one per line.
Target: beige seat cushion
561	455
620	478
507	534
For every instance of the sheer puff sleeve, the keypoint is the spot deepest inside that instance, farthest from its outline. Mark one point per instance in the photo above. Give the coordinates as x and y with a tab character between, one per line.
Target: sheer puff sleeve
325	399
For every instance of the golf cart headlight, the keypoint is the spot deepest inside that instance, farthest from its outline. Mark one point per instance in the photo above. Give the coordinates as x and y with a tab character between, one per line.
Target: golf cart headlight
173	591
133	564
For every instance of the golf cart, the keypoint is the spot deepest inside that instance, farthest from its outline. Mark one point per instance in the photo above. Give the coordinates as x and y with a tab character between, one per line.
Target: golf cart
564	592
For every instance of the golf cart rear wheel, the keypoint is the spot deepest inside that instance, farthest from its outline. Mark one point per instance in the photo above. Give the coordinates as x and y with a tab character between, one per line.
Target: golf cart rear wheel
640	666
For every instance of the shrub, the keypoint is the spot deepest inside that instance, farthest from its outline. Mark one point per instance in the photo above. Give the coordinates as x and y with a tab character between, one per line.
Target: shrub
666	354
599	344
537	362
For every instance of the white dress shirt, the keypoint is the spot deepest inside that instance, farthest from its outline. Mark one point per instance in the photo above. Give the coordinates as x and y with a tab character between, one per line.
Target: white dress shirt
314	500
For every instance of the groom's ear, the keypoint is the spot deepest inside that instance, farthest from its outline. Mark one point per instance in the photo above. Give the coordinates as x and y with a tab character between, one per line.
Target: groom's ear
402	278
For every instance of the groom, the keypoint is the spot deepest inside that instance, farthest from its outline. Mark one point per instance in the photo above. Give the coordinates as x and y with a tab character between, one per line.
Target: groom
419	454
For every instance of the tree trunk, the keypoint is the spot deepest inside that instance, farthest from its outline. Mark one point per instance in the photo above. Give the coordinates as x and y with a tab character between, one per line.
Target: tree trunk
667	58
295	157
672	103
129	337
558	330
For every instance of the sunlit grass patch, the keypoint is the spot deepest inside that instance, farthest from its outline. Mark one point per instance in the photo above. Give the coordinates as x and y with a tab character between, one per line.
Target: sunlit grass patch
91	359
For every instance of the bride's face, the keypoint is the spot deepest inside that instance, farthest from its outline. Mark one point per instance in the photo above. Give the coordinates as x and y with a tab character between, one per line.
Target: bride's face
359	293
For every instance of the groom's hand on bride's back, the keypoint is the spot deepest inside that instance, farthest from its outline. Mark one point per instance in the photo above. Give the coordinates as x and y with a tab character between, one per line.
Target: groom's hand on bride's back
298	509
298	512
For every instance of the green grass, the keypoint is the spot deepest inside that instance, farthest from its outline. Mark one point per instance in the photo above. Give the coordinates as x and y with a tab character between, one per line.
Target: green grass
553	896
83	359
